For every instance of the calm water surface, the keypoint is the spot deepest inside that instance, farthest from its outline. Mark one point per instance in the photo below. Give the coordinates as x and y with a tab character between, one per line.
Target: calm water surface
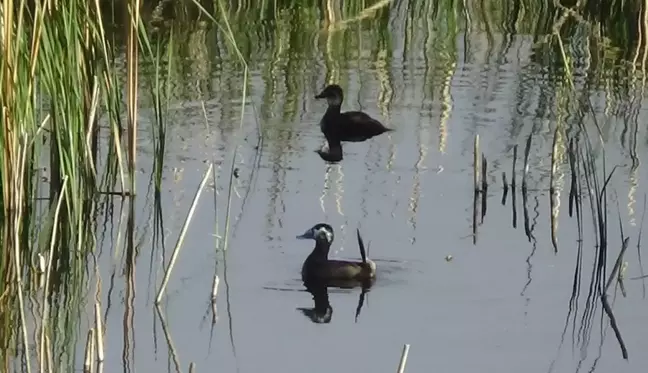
499	305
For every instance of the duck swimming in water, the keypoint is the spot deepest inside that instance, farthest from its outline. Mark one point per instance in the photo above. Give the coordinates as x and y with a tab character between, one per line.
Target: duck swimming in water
353	126
318	267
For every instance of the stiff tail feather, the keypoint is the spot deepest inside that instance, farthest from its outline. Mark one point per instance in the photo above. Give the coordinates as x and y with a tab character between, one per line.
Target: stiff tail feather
363	253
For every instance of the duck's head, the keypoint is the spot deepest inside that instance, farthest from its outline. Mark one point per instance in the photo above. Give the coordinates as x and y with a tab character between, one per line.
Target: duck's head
333	94
319	232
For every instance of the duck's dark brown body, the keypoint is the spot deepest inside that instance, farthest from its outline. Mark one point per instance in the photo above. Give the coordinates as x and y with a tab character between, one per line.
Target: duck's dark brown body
351	126
318	267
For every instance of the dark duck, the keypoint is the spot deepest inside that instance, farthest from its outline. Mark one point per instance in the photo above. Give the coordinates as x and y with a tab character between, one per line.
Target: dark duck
341	273
352	126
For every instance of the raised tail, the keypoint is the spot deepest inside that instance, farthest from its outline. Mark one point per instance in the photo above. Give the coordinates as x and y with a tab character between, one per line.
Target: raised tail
363	253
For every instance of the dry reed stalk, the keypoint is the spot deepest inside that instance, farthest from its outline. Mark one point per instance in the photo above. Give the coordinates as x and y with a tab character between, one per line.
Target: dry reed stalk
213	298
89	352
183	232
403	359
100	334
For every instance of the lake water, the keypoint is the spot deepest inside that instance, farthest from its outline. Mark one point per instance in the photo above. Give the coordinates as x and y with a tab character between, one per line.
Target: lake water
498	305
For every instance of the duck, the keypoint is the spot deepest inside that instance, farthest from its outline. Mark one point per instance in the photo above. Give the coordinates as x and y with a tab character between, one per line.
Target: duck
318	267
351	126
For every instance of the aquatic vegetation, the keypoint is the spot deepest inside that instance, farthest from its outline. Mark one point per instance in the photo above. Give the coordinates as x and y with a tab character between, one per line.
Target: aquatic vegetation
90	91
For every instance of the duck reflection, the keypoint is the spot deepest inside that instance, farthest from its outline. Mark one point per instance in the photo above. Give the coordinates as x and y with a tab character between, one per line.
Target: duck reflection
322	311
332	153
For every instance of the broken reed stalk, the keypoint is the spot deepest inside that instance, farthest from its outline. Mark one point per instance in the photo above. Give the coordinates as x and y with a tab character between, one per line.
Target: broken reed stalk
99	329
89	352
213	298
183	231
192	367
403	359
553	201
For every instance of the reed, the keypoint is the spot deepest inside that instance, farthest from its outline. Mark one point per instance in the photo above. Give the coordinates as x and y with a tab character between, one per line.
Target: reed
57	79
181	236
403	358
554	195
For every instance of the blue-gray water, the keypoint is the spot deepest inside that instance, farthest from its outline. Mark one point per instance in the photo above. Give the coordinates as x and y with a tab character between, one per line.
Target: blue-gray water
499	305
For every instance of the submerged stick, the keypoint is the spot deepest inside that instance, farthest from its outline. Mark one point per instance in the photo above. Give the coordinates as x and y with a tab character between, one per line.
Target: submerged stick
183	232
403	359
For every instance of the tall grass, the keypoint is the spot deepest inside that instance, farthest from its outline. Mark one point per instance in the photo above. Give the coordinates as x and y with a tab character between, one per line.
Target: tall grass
56	81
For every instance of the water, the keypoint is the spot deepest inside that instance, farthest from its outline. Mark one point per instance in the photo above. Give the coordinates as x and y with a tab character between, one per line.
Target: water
499	305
